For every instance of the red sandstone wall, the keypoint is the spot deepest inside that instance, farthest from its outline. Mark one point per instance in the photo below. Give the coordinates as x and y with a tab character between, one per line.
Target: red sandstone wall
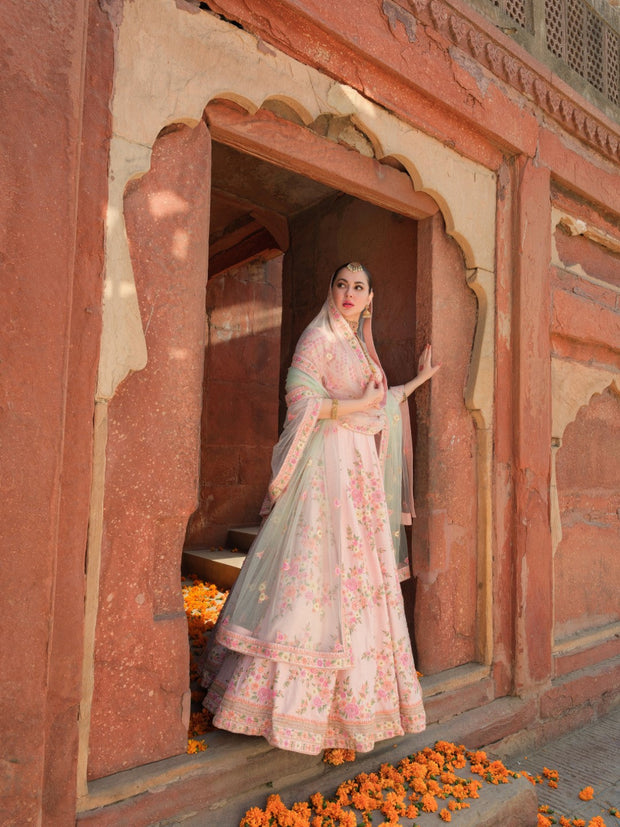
240	416
141	703
587	561
585	331
445	553
53	170
49	356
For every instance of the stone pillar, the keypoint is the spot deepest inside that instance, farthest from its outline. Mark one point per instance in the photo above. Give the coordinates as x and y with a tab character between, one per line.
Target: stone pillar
533	565
140	704
502	475
445	530
48	354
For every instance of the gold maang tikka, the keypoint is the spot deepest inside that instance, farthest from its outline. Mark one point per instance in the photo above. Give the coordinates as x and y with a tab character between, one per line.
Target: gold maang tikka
356	267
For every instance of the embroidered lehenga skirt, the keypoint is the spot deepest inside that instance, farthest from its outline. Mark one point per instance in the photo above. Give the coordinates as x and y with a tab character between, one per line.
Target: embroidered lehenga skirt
314	651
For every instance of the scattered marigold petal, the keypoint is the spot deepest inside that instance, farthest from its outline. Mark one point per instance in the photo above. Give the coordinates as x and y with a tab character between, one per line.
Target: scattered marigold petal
194	746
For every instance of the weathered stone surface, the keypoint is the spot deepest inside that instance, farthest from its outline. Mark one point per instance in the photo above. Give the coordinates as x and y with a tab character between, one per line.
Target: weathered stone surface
205	787
141	651
575	690
445	543
425	91
532	535
51	253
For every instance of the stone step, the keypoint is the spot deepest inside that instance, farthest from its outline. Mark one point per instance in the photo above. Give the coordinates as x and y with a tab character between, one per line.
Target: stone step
204	790
216	565
242	537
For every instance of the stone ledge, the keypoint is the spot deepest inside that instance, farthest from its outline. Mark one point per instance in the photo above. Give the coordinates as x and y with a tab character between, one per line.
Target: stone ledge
207	786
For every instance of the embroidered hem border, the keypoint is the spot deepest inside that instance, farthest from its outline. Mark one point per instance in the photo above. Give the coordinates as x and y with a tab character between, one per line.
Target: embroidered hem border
247	645
302	735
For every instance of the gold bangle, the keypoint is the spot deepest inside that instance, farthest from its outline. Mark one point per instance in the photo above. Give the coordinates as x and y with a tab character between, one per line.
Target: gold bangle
334	413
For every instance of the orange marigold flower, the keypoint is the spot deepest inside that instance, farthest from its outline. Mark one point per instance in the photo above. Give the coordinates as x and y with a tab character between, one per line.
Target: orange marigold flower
543	821
445	815
587	794
255	817
317	801
302	808
363	802
553	785
338	756
419	786
564	822
579	822
472	792
429	805
194	746
597	821
275	805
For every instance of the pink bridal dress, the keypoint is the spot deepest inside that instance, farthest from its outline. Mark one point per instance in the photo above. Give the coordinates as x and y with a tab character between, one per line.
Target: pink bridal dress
312	649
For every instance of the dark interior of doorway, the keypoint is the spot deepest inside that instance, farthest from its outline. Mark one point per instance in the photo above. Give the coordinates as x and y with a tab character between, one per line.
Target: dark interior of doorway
275	238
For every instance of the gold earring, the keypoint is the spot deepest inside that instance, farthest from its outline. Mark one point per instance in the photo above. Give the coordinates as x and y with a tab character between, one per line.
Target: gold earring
367	314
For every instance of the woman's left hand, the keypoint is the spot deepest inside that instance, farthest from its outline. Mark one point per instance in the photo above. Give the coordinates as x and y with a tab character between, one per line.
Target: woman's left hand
426	369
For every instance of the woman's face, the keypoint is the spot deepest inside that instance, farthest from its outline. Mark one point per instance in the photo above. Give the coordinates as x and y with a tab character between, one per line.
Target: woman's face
350	293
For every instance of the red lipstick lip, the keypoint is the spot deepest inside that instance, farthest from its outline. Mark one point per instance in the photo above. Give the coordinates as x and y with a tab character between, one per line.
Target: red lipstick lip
347	304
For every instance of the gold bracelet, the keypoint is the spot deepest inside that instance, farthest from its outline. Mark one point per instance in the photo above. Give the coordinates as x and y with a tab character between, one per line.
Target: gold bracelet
334	414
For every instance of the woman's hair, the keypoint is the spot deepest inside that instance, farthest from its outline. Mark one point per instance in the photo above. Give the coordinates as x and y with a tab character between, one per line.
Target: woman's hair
353	267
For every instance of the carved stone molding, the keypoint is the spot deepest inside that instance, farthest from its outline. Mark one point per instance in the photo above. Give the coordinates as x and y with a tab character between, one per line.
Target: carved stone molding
508	67
575	226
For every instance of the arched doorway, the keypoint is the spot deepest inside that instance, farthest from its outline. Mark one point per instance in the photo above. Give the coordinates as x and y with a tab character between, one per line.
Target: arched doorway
275	237
151	539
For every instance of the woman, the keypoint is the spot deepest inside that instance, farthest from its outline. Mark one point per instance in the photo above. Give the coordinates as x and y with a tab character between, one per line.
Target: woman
312	649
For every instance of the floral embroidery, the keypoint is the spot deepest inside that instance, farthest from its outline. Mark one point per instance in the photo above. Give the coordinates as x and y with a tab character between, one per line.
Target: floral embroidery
314	645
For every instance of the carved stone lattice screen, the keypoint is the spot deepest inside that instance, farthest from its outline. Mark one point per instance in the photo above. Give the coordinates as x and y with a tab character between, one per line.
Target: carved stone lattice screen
579	36
521	11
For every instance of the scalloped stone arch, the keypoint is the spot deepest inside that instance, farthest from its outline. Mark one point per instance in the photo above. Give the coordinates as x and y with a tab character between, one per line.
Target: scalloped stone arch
573	385
201	57
170	61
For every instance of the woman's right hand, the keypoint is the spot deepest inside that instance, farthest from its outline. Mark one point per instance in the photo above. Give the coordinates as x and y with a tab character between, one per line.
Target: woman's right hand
373	394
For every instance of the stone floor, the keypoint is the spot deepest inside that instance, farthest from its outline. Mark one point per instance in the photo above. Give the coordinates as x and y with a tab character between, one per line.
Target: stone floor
588	756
